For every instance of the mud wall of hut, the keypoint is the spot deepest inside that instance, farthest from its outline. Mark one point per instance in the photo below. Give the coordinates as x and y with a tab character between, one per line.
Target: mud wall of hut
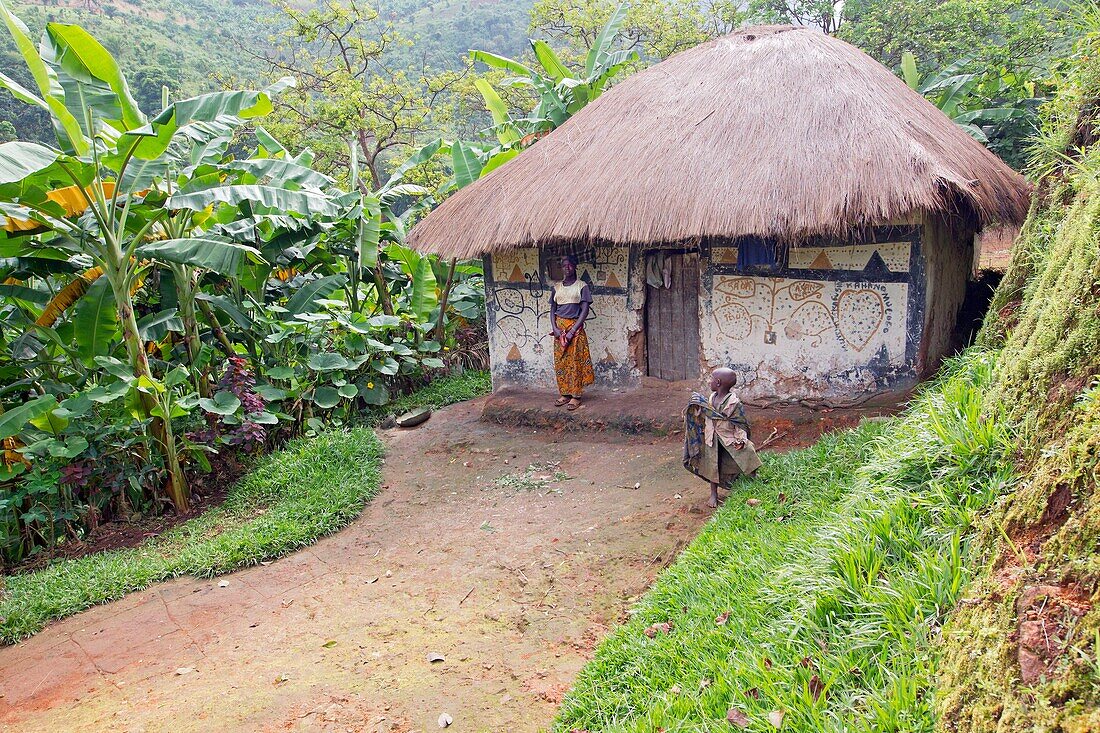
826	321
830	321
517	289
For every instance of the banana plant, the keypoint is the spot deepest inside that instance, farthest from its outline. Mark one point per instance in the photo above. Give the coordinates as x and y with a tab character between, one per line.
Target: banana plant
561	91
962	96
109	155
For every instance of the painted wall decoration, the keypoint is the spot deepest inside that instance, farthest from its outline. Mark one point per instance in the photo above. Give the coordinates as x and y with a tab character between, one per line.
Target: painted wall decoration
518	302
830	320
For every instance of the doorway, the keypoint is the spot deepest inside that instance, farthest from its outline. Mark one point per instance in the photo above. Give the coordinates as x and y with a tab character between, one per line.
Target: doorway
672	315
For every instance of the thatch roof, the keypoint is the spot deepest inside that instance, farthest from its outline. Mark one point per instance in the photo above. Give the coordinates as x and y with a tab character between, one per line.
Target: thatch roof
770	131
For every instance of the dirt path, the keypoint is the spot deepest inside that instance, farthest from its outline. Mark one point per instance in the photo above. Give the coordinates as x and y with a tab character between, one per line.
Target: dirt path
512	582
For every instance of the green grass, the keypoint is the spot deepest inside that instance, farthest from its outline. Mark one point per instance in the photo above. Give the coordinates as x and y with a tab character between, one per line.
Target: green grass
439	393
838	590
310	488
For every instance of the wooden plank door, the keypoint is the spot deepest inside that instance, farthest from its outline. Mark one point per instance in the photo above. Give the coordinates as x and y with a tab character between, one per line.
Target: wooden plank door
672	322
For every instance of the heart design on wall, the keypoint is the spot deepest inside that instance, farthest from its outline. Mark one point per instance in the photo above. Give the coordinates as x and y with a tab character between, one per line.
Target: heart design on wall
859	316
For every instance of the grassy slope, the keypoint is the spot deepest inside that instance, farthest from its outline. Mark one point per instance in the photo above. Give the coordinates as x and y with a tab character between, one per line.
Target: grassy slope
309	489
833	610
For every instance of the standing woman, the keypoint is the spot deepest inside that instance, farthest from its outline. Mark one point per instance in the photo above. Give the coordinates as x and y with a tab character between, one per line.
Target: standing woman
569	304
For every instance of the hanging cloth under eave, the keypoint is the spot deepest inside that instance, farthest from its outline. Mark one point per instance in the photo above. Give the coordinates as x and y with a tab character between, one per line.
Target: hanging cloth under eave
658	269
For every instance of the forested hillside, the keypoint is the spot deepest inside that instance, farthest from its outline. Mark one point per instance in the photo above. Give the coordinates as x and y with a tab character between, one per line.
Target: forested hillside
188	45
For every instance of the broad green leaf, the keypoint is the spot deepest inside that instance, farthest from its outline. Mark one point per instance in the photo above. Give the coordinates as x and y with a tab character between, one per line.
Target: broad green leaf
420	157
22	292
422	299
370	231
433	362
116	368
267	141
21	159
497	160
502	119
550	61
467	167
305	203
66	126
13	421
205	108
23	94
326	397
909	70
373	393
264	418
277	171
326	361
51	422
229	308
156	326
222	403
219	255
302	301
78	53
597	55
348	391
95	320
500	62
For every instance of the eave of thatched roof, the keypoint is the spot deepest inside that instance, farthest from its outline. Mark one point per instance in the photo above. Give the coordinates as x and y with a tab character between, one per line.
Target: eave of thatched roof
770	131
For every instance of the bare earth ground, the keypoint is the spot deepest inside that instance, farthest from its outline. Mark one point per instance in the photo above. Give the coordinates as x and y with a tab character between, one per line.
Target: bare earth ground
512	585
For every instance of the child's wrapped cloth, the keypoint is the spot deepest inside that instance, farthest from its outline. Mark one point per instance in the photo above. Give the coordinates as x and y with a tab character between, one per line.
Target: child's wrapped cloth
711	433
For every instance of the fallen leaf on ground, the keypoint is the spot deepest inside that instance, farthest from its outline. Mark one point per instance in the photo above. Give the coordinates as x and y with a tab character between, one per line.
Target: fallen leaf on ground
816	686
223	584
281	679
435	657
722	618
663	627
445	720
738	718
775	717
329	644
752	692
767	663
704	683
675	689
807	663
752	502
184	670
782	497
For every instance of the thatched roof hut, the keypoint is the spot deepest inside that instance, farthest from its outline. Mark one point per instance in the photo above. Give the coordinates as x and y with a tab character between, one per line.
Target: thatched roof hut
773	131
774	201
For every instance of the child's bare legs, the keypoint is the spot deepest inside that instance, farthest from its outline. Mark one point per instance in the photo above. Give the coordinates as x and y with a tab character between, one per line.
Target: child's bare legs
713	501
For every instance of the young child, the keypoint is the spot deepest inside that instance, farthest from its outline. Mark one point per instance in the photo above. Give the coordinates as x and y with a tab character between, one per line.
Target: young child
717	447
